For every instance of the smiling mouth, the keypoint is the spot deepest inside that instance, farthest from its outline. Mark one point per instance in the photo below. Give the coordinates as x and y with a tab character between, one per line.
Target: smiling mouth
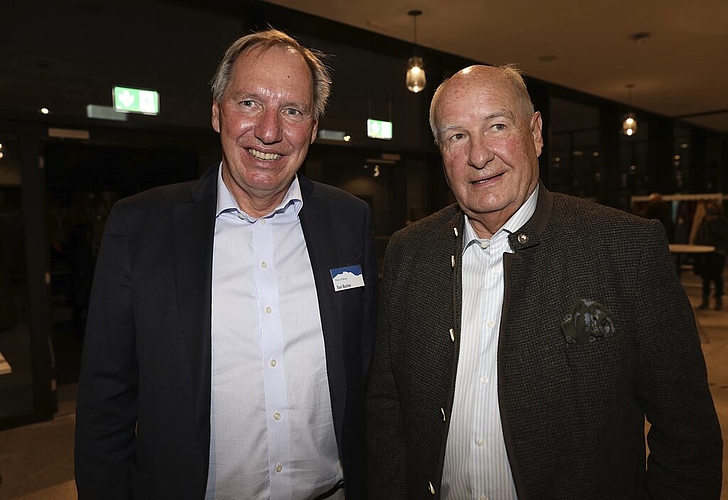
487	179
263	156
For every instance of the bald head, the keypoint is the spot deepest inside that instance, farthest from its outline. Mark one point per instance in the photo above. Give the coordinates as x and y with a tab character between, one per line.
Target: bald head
481	78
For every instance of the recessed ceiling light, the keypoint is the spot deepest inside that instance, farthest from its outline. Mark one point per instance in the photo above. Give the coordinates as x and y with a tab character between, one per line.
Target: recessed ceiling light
640	37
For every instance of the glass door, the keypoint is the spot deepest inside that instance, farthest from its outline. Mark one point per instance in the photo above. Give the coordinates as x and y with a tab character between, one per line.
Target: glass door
16	371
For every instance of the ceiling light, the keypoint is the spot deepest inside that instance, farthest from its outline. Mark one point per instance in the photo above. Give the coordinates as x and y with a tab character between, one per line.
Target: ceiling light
640	37
415	79
629	125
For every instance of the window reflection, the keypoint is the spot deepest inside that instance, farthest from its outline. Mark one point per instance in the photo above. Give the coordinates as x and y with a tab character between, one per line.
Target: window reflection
576	161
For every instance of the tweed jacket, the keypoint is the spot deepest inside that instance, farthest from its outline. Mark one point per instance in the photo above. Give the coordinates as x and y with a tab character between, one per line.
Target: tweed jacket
573	400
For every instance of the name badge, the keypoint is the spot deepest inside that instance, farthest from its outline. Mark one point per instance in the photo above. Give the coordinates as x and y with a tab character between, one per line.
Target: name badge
345	278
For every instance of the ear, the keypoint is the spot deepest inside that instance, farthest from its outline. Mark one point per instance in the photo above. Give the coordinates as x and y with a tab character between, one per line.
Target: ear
536	126
314	131
216	117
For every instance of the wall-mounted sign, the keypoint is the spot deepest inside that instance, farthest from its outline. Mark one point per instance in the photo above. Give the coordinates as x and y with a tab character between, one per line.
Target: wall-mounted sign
130	100
378	129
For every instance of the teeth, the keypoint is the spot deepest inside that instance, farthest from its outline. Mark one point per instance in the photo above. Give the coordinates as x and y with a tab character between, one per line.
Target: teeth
263	156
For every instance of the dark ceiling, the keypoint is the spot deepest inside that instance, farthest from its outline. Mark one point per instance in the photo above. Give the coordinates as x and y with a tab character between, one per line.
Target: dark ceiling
68	54
674	52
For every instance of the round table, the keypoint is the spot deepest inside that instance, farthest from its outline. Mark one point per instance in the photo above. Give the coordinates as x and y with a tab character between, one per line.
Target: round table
684	248
680	249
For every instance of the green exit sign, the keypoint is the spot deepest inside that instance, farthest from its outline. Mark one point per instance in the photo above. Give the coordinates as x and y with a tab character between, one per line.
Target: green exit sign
378	129
128	100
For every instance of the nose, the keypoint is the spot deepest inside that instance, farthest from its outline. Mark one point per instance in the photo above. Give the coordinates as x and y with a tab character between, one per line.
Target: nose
479	153
268	129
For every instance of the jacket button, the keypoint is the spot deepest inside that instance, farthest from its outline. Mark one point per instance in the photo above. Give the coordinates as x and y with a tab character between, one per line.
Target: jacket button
522	239
431	488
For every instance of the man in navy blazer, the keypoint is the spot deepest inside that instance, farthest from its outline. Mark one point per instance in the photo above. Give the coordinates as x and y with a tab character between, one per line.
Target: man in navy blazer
191	275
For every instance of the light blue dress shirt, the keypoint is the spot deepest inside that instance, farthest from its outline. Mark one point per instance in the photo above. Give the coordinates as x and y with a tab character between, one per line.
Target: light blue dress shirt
272	430
476	463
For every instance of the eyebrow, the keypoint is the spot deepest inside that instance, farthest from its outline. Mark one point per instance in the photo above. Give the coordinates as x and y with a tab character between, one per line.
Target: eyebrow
491	116
253	95
444	130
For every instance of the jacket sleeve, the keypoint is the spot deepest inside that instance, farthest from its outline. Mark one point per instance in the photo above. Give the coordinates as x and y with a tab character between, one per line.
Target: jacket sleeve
684	438
108	383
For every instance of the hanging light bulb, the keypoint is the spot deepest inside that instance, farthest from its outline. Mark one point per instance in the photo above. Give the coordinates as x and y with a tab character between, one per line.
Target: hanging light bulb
629	125
416	79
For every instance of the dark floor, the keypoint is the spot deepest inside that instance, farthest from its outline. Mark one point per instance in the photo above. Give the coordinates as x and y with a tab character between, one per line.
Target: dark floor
36	461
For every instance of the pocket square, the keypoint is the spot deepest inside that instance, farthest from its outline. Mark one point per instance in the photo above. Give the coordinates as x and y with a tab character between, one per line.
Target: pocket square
587	321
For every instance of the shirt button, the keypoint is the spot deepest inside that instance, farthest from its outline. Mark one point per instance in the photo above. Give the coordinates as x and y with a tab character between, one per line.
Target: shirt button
279	467
484	380
264	265
276	416
483	497
481	441
262	222
273	363
268	310
490	324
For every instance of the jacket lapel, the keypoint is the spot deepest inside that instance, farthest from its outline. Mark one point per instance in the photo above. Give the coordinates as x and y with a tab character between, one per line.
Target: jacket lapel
194	226
320	234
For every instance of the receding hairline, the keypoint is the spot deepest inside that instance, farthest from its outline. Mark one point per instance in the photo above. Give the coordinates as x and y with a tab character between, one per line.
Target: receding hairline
262	41
507	72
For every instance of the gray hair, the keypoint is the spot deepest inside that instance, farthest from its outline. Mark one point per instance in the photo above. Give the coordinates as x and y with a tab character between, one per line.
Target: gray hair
513	76
264	40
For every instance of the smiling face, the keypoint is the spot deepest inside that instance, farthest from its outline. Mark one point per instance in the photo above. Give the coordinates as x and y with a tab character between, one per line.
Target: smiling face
490	142
266	123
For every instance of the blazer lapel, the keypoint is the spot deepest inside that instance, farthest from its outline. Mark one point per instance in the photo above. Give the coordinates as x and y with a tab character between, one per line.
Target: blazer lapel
194	226
319	234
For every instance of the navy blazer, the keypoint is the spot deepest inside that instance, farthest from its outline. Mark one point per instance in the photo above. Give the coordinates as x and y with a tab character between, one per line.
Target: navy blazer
143	411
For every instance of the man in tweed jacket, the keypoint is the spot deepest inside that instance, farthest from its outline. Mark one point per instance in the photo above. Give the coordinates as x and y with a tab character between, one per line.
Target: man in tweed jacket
528	372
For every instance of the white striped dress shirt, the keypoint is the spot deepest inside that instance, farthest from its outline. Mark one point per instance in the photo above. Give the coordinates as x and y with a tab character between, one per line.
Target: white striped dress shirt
272	432
476	463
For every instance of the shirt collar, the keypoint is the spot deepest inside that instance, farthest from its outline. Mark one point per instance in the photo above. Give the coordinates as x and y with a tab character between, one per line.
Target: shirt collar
513	224
226	201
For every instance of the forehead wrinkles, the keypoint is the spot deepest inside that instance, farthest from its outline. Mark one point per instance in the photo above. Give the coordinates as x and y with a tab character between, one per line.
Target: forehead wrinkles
463	109
285	64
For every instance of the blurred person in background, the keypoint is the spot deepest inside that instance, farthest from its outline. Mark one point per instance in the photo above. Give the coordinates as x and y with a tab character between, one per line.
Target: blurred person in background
658	209
713	231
